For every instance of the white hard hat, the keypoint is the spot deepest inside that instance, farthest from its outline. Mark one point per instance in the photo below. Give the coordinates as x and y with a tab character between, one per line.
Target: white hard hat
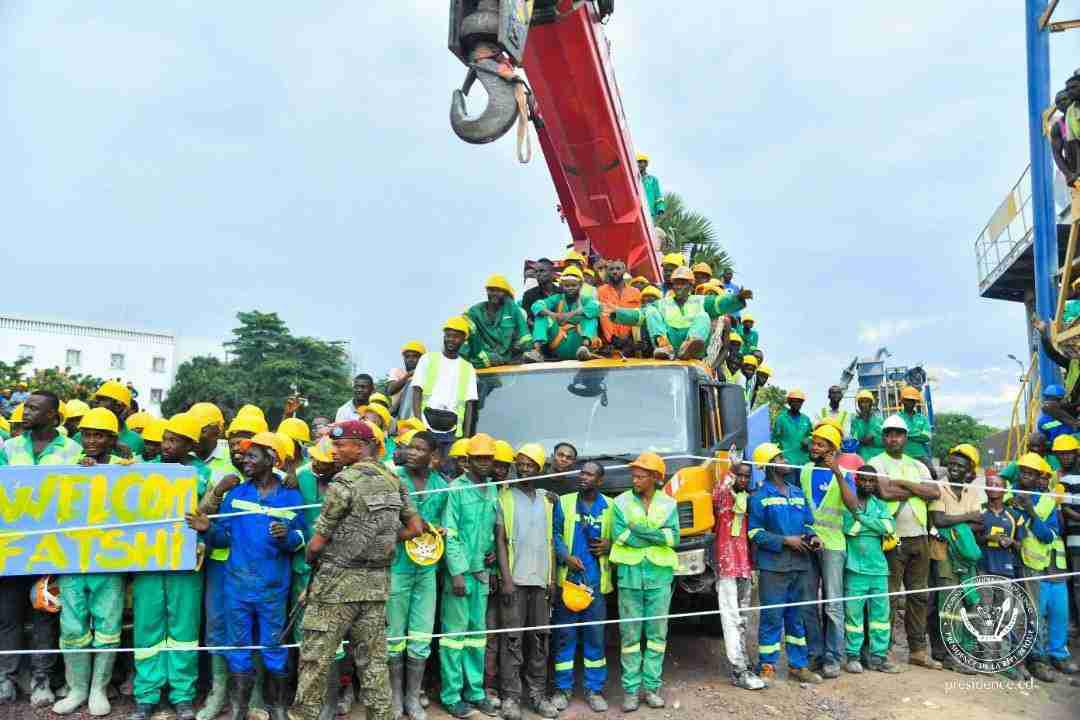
894	422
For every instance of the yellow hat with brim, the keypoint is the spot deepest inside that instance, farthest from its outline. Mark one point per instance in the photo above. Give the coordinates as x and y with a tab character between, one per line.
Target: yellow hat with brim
379	399
735	338
750	360
457	323
535	452
210	414
102	419
460	448
746	318
642	157
702	268
1063	443
115	390
639	279
764	369
650	461
154	430
250	422
77	408
382	412
270	441
498	282
482	445
796	394
135	421
504	452
410	424
405	438
185	425
652	291
322	451
414	346
675	259
864	395
379	433
828	432
295	428
971	453
1034	461
910	393
573	271
766	453
574	256
286	444
251	410
682	273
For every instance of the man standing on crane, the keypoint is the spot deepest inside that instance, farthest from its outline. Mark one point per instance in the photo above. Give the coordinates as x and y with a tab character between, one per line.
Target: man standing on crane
865	426
833	411
918	439
651	185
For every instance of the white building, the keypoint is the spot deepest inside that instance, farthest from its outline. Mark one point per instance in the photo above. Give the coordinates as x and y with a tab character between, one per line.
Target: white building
146	360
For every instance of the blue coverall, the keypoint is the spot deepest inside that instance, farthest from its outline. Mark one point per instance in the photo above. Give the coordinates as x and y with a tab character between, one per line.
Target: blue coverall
775	514
258	570
586	528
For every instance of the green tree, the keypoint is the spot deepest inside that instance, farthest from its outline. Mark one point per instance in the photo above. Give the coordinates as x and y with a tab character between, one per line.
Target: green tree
12	373
690	231
951	429
267	364
66	384
775	396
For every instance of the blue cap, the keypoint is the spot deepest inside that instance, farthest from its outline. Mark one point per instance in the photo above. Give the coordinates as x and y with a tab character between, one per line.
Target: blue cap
1054	391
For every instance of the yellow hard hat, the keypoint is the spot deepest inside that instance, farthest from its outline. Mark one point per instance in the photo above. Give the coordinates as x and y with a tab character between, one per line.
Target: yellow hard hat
425	549
831	421
829	433
380	435
702	267
4	424
498	282
639	279
249	422
458	323
154	430
135	421
410	424
209	413
650	461
185	425
576	597
481	444
575	256
864	395
61	410
1034	461
652	291
747	318
17	414
77	408
764	369
706	289
460	448
379	399
590	272
1064	443
414	346
675	259
971	452
910	393
750	360
535	452
115	390
642	157
735	337
270	441
379	410
504	451
573	271
766	453
405	438
796	394
295	428
286	445
682	273
322	451
251	410
100	419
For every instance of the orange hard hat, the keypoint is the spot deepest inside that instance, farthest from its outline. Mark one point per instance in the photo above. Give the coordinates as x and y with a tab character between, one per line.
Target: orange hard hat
650	461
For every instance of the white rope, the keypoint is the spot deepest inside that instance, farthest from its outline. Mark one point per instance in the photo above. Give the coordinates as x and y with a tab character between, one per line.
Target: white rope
557	626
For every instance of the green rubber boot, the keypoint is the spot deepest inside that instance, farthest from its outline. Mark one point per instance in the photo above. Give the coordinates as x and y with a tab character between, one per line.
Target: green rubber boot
218	696
77	672
99	684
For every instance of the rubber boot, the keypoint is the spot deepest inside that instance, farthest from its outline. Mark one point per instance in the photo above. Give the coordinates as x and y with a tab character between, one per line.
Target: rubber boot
99	684
414	683
218	696
397	680
257	702
333	689
77	672
275	696
240	685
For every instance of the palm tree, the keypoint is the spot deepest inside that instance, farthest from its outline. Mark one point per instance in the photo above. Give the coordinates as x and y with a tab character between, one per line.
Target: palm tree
690	232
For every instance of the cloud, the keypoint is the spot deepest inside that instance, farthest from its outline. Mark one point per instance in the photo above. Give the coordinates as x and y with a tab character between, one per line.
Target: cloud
886	330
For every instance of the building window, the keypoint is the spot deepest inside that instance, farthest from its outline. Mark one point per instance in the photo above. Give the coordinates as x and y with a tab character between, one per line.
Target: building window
156	395
74	358
116	361
26	351
159	364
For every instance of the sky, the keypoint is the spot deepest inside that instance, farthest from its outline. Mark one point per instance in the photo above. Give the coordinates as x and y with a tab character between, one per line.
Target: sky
171	164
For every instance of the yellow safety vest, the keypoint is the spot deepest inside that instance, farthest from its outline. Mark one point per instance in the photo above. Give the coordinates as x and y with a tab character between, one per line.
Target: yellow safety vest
829	515
660	509
680	318
568	503
1035	554
506	502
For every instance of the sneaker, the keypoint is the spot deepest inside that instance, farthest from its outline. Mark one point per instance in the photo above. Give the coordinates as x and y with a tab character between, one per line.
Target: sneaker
1066	666
630	702
533	356
596	702
41	693
662	353
830	670
561	700
510	709
854	667
885	665
747	681
424	701
1041	671
584	354
493	698
653	699
543	707
184	711
804	675
487	706
142	712
460	709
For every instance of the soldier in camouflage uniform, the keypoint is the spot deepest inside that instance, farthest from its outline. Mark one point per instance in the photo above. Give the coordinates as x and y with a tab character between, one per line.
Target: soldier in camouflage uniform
365	512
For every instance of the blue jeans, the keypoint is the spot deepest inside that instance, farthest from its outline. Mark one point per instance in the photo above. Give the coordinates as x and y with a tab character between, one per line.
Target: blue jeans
825	623
1054	620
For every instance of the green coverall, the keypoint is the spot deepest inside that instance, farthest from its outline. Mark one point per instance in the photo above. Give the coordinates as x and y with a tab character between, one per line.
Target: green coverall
168	613
867	573
861	428
918	435
693	319
789	433
469	519
653	197
645	588
496	341
749	338
581	330
411	608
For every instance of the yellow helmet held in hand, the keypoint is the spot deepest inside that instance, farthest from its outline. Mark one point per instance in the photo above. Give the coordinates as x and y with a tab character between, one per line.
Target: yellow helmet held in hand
425	549
576	597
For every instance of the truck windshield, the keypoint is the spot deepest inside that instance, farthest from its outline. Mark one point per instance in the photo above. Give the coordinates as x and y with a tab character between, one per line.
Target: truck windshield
602	411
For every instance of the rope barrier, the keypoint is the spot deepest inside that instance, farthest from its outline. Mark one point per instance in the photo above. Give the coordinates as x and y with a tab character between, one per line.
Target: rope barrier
557	626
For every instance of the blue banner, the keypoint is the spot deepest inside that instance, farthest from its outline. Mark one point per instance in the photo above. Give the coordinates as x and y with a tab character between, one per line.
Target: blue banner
56	519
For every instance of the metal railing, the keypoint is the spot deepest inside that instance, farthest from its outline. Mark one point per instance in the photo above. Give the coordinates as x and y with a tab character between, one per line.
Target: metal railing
1006	235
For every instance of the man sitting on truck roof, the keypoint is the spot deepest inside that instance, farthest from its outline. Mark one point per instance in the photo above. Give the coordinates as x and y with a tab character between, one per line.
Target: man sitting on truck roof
679	325
545	287
566	323
499	328
616	293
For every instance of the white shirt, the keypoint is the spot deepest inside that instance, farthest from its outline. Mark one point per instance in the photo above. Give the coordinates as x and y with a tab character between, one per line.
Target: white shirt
347	412
444	395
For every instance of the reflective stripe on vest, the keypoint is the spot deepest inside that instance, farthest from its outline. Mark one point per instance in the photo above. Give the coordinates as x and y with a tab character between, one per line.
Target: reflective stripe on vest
680	318
434	361
829	516
506	501
738	512
570	520
1035	554
660	509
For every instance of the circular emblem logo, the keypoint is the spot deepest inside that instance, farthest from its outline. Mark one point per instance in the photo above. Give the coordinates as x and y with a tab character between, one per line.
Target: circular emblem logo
989	625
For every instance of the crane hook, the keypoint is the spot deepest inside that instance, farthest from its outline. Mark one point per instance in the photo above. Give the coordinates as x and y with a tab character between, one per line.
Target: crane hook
501	111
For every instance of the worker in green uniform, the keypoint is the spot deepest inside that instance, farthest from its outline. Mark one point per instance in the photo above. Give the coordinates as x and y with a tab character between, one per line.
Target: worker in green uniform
167	604
498	327
645	530
1038	444
746	331
680	325
566	324
918	442
74	410
410	612
791	429
469	520
866	426
654	199
91	604
116	397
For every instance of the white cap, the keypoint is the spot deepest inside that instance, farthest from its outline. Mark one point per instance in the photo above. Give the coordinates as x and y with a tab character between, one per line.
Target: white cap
894	422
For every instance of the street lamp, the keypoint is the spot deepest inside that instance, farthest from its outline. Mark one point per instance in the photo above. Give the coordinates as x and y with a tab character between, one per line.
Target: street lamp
1023	370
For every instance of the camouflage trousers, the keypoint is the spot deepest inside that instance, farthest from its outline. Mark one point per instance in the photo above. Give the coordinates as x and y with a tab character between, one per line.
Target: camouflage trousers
325	625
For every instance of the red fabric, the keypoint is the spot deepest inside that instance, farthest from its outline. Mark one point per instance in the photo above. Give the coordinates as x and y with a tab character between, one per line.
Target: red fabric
607	295
732	551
